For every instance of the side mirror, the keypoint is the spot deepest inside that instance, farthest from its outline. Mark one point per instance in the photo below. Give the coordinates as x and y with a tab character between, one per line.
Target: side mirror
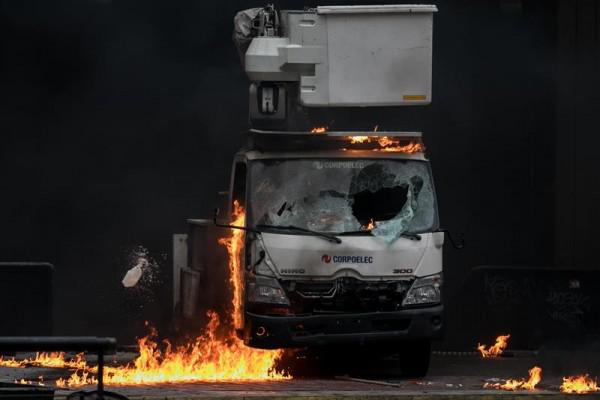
457	246
216	213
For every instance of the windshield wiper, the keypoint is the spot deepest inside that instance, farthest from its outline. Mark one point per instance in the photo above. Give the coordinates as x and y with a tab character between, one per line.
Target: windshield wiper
411	236
326	236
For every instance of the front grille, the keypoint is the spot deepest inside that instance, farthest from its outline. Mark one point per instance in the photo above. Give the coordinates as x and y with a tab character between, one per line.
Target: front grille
316	289
345	295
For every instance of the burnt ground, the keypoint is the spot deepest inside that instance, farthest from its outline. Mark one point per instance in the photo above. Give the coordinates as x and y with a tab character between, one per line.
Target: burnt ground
451	375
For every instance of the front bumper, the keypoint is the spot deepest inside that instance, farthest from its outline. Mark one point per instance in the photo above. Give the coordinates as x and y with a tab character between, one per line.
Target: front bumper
269	332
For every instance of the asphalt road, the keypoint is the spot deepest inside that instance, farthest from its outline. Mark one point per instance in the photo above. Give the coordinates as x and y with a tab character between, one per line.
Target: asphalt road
451	375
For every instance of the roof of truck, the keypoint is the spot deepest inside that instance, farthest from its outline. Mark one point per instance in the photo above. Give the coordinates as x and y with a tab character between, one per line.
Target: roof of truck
340	144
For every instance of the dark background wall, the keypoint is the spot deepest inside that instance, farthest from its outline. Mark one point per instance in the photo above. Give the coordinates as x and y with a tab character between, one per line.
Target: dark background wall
118	120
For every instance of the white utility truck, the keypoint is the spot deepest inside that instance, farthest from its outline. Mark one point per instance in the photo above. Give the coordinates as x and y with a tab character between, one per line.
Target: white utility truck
342	246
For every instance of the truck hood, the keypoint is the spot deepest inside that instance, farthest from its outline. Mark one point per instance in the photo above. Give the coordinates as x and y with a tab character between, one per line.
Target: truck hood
362	257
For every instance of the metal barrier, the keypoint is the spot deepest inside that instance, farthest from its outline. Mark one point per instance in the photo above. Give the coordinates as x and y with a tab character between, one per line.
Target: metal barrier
98	345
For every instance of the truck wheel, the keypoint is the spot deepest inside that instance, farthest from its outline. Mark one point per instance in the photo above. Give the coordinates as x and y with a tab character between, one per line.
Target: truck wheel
414	359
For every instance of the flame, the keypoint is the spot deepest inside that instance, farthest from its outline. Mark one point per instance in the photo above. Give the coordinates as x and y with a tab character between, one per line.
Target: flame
410	148
57	360
234	245
370	226
11	362
384	141
319	129
216	355
79	378
359	139
208	358
535	376
496	349
40	381
579	384
387	144
46	360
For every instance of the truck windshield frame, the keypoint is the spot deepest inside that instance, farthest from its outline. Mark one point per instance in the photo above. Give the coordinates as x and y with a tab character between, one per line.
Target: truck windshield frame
305	192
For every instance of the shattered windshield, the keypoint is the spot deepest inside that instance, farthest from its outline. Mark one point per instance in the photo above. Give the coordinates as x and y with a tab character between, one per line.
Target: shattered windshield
385	198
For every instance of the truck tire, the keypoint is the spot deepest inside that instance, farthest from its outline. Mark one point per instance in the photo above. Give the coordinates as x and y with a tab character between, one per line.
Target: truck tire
414	359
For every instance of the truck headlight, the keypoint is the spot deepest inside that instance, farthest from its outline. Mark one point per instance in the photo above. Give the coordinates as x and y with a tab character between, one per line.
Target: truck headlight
262	289
425	290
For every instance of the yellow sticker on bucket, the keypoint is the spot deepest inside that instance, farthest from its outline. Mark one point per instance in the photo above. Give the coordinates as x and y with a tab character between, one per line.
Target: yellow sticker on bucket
413	97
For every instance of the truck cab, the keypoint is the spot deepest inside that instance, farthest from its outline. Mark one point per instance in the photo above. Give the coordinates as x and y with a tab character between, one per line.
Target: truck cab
342	243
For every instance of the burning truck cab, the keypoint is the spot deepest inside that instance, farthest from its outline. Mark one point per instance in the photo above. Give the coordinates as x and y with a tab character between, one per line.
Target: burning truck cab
342	241
337	237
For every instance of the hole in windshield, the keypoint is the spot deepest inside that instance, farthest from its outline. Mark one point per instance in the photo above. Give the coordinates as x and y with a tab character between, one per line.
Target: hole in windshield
381	205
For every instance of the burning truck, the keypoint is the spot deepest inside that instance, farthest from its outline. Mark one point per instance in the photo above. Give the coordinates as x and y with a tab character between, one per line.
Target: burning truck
338	239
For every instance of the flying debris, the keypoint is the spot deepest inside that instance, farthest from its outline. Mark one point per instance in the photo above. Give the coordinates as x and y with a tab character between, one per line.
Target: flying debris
133	276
